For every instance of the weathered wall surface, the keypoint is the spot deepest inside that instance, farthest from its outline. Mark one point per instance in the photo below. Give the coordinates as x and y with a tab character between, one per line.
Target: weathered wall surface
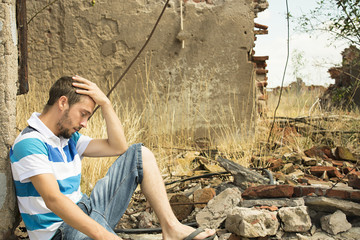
8	79
99	40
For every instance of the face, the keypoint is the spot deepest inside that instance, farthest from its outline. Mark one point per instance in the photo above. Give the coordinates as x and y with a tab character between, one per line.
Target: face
75	117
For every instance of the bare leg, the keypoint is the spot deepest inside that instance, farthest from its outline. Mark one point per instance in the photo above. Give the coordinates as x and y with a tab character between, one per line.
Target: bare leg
154	190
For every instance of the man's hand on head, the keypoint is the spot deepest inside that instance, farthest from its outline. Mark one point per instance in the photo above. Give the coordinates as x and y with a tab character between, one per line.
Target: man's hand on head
86	87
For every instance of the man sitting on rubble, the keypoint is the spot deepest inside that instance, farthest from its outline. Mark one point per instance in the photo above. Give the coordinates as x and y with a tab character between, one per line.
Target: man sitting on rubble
46	165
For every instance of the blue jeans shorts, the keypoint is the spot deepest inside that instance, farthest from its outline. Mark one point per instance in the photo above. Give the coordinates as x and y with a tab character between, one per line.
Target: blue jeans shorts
111	195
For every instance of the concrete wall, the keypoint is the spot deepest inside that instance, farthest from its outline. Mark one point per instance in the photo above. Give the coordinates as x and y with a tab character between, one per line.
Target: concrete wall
8	79
99	40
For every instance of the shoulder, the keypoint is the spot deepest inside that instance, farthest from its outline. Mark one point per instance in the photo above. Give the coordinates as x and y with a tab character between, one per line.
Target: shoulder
29	142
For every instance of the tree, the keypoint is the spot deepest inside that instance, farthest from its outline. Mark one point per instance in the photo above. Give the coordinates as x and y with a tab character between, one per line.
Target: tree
340	18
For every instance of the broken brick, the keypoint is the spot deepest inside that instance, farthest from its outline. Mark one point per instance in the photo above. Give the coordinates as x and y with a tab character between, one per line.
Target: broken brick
338	194
270	191
331	171
317	152
203	195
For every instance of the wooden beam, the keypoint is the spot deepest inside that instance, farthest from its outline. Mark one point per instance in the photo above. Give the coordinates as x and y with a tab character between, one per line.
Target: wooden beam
22	46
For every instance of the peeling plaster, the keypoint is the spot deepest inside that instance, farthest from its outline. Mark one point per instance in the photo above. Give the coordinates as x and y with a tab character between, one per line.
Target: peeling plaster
13	25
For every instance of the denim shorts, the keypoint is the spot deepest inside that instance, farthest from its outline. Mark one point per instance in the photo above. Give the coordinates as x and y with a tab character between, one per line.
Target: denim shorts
111	195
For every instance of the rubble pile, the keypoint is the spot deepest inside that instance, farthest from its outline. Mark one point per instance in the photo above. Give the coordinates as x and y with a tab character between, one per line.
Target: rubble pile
309	195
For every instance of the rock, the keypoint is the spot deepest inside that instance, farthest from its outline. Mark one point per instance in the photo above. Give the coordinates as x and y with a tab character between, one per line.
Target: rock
203	195
281	202
308	161
288	168
322	236
295	219
343	153
293	157
252	223
218	208
353	233
331	205
181	211
335	223
145	220
354	181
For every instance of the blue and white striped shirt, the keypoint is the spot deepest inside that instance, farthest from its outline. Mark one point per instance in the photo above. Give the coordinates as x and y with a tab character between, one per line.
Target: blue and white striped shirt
38	151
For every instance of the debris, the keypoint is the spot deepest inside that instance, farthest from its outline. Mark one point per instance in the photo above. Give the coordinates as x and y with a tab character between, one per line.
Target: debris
252	223
218	208
295	219
335	223
181	211
242	175
203	195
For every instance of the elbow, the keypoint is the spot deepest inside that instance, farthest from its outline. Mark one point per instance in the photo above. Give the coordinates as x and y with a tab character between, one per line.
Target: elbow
51	201
124	148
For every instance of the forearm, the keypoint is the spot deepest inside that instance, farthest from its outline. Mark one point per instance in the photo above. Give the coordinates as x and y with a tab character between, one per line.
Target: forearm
76	218
115	131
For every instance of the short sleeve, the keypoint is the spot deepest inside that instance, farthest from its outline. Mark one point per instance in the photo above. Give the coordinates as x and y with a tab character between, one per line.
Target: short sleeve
81	142
29	157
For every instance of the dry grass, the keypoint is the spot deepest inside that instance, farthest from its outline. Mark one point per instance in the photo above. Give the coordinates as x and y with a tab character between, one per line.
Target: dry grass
157	127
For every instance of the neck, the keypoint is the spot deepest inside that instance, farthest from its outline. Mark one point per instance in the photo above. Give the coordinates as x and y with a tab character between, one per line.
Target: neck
50	120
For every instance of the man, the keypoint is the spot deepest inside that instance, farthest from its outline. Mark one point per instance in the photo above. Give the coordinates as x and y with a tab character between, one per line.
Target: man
46	165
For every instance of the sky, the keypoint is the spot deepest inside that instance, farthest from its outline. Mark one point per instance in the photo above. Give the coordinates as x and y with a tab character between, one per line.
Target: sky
318	54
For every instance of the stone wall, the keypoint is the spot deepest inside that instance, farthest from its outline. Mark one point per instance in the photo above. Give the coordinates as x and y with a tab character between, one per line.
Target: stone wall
8	79
98	39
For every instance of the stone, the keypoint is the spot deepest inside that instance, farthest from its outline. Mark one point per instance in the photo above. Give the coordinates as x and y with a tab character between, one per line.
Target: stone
218	208
295	219
279	202
308	161
353	233
327	204
343	153
288	168
335	223
145	220
203	195
181	211
354	181
252	223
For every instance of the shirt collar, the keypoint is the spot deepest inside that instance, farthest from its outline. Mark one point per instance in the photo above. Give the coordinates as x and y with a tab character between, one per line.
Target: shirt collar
35	122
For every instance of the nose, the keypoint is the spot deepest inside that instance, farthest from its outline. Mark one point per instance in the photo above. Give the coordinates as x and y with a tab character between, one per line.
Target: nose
83	123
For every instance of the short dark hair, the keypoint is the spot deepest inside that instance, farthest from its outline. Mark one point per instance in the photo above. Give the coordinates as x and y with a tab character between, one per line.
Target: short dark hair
62	87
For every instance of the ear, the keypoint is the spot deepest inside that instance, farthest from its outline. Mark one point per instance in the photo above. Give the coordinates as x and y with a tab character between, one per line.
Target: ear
63	103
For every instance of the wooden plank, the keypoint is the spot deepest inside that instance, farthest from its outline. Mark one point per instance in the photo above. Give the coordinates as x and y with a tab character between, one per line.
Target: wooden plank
261	32
260	26
22	46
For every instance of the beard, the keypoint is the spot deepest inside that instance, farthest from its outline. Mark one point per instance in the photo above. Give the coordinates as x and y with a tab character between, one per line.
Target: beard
64	131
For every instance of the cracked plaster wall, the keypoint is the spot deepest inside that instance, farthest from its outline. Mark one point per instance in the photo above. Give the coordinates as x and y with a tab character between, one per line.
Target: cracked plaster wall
99	40
8	79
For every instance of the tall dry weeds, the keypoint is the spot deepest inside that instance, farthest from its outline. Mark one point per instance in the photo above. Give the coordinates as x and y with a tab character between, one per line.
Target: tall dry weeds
157	124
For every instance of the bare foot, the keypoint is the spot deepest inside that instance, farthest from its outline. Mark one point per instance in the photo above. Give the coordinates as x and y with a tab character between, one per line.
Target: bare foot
180	231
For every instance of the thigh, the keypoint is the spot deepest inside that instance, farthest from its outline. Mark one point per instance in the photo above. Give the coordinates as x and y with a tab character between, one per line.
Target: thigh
111	194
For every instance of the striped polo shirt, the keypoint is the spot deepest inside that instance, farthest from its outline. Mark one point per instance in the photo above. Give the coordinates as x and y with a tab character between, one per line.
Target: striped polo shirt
38	151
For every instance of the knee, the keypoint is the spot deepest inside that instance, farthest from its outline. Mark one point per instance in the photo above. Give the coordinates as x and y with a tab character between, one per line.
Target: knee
147	155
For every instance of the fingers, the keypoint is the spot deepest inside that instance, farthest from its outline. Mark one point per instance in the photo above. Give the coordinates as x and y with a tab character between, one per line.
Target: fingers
87	87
